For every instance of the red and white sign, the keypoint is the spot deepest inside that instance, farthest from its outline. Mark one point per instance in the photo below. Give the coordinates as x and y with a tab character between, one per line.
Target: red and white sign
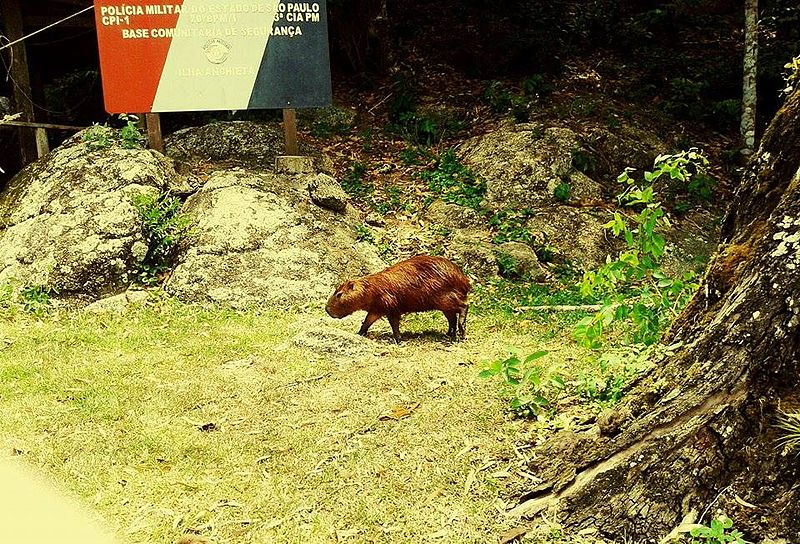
188	55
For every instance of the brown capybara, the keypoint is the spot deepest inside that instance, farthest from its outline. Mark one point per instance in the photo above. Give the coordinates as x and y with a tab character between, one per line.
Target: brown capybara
418	284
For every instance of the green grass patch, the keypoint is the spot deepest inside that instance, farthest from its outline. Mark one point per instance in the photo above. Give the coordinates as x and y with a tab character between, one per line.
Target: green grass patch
173	419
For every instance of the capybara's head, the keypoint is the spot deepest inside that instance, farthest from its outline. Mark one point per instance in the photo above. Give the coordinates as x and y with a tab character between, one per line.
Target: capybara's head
347	299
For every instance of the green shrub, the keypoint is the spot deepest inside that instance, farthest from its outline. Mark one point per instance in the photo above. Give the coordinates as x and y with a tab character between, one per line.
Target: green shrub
98	137
637	270
454	182
583	161
562	192
129	136
791	75
364	234
530	389
510	225
727	113
498	96
507	264
717	533
163	227
536	86
353	181
35	299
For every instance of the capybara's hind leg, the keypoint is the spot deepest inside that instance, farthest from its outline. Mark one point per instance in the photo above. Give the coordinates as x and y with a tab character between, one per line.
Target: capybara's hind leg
452	323
394	321
462	321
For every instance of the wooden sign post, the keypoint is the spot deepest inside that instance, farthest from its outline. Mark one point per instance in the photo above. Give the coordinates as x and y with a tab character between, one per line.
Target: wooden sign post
290	131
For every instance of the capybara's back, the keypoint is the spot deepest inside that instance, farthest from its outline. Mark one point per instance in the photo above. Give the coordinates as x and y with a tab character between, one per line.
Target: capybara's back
418	284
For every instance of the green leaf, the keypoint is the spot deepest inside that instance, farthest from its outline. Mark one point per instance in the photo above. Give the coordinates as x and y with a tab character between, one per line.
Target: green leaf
535	355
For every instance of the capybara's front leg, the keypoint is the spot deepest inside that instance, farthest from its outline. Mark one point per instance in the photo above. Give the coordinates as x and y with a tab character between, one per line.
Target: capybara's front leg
368	321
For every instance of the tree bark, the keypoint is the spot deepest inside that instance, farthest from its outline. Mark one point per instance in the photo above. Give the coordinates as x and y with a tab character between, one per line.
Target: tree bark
749	95
698	433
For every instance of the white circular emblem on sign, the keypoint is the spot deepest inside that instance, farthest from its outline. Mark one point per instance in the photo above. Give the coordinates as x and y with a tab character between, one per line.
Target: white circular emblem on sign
217	51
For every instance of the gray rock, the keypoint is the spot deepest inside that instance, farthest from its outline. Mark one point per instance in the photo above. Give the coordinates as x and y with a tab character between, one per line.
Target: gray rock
576	234
255	145
67	221
375	219
521	163
474	254
239	141
257	241
333	342
294	164
117	303
326	192
583	188
521	259
626	146
453	216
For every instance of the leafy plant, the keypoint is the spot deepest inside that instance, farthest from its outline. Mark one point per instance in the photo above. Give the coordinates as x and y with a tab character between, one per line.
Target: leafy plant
509	268
420	125
637	270
498	96
404	97
791	75
454	182
35	299
582	107
611	373
510	225
562	192
129	136
364	233
727	112
530	389
789	423
684	98
163	226
97	137
520	108
583	161
717	533
536	86
414	156
353	181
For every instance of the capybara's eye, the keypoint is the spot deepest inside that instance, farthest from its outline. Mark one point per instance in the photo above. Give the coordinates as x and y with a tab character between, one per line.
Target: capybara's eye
339	294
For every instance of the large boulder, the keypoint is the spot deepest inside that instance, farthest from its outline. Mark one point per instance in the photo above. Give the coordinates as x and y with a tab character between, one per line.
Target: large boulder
68	226
258	239
255	145
521	163
577	235
67	222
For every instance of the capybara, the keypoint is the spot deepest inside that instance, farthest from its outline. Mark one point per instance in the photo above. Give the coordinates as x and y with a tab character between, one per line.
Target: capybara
418	284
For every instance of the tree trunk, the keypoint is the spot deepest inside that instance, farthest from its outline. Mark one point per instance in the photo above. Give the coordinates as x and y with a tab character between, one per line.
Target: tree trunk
698	432
748	124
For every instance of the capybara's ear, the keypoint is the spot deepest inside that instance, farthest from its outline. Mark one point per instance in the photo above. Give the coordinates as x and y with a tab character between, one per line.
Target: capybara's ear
348	286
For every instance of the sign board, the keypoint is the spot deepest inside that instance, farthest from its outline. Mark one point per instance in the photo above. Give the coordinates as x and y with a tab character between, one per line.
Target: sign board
191	55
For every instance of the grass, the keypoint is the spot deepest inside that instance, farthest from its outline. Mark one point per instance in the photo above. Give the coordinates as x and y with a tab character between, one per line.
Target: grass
173	419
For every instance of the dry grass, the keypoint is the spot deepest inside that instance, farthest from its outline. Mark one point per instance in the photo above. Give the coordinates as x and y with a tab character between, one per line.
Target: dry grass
173	420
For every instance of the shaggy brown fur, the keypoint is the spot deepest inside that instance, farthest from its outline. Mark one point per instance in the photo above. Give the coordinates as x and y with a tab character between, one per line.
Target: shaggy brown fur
418	284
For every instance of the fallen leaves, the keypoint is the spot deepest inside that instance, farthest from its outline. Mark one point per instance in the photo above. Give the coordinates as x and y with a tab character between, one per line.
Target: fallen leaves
399	411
